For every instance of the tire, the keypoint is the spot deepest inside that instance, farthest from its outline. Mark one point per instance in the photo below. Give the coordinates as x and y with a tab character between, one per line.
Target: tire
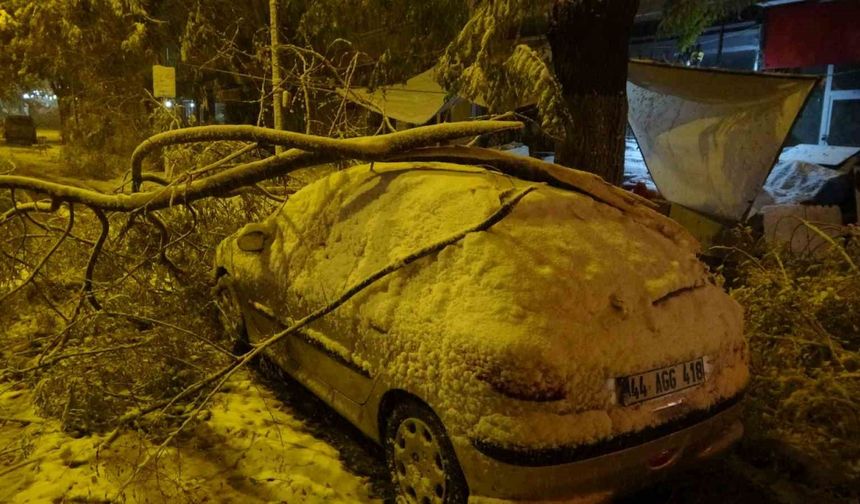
230	316
421	460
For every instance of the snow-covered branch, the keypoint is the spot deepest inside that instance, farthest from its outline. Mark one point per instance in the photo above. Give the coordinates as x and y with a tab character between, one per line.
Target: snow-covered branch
364	148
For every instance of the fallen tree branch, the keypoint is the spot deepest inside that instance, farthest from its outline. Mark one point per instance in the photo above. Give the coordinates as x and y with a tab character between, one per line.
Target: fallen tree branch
154	178
57	358
364	148
221	377
33	206
223	182
152	321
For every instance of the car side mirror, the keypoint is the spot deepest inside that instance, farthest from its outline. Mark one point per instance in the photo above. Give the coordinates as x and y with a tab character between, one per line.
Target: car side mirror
252	240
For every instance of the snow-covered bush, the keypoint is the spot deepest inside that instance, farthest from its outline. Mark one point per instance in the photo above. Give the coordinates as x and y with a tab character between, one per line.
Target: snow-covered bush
158	332
803	320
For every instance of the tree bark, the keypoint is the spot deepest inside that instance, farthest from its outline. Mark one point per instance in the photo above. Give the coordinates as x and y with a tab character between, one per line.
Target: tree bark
64	108
65	105
589	41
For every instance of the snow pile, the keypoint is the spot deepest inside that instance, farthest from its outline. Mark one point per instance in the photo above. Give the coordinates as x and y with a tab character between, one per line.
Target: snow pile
249	450
565	293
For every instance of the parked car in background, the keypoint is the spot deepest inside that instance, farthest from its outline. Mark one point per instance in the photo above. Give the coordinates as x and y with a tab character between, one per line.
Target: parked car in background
577	348
19	129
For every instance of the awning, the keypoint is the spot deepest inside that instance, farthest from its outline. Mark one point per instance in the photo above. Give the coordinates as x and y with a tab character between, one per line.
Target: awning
710	137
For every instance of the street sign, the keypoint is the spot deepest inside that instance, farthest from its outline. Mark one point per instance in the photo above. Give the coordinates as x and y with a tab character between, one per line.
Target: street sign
163	81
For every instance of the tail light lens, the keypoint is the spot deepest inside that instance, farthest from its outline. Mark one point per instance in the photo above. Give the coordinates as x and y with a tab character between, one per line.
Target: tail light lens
523	383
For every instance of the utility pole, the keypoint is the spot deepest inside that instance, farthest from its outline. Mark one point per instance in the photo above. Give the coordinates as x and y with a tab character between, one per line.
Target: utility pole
277	105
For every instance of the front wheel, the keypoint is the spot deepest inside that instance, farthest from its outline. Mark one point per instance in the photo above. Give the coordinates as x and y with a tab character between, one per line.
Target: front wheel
421	459
230	316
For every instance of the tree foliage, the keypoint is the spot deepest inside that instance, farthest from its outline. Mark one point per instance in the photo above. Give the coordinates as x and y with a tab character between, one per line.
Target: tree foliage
95	55
490	59
687	19
488	62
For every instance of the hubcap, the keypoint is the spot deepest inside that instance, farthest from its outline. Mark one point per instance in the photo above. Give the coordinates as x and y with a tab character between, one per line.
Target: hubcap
418	463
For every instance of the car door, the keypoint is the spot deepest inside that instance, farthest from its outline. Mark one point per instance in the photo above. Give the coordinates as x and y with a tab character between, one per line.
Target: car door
317	355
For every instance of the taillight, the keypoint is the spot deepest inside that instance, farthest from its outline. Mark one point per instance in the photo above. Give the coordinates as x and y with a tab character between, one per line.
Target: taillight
523	384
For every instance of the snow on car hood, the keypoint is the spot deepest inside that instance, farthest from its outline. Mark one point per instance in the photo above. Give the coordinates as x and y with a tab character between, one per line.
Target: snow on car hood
564	288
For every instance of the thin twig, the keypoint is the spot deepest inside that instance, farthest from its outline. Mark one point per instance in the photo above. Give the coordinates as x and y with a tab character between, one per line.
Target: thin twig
98	351
23	421
164	235
47	256
194	335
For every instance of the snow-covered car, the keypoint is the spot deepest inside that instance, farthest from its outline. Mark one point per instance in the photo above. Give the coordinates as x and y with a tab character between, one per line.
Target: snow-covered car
577	347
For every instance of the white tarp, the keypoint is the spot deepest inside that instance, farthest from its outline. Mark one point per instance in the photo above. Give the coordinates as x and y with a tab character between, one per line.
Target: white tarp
709	137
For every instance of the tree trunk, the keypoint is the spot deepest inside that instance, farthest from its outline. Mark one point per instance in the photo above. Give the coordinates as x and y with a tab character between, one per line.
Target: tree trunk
589	41
65	109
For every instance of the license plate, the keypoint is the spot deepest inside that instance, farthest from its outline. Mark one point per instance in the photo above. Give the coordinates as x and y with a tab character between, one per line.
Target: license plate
659	382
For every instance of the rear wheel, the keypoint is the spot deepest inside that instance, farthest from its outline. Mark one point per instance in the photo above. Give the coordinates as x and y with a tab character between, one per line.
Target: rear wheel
421	459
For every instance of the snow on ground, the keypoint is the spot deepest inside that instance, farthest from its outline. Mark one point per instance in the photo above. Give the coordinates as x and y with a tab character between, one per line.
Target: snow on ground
28	157
635	170
251	449
634	165
45	163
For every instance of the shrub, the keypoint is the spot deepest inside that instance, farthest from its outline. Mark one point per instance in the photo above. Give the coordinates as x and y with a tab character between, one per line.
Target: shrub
803	323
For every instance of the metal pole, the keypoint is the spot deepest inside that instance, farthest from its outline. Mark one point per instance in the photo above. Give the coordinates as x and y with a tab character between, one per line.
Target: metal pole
826	108
720	44
274	25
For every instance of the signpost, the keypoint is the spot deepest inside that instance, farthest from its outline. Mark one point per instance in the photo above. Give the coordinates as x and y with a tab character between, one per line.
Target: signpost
163	81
